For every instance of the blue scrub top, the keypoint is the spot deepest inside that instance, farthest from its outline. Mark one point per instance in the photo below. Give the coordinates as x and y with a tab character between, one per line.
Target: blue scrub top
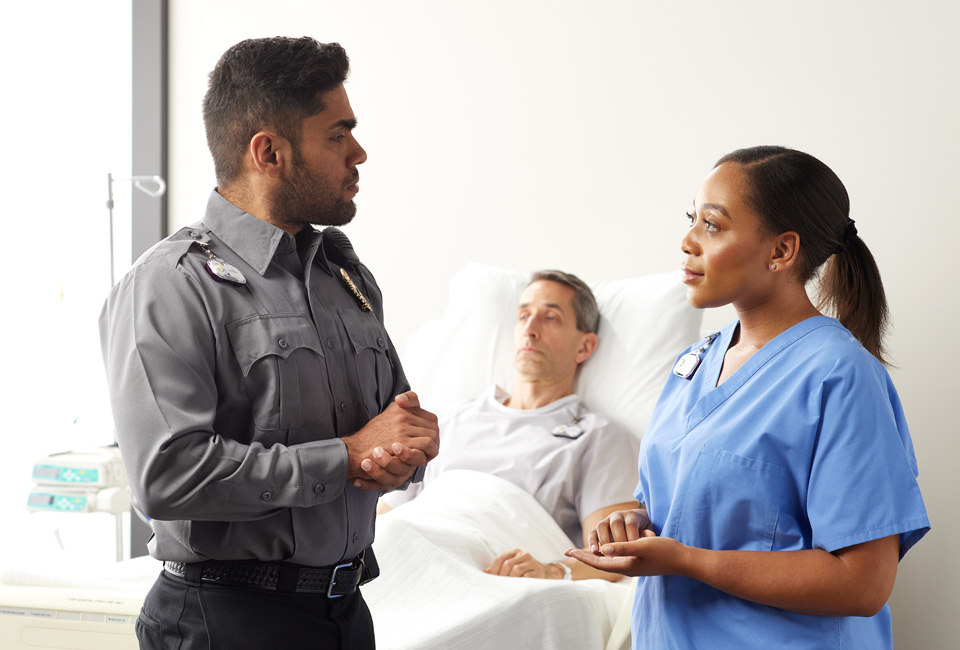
804	446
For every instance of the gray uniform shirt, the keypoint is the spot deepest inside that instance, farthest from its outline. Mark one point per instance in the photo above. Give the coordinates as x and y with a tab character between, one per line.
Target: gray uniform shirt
229	400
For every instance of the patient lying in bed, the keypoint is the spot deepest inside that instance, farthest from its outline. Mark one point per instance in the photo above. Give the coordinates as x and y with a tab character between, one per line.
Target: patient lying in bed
578	465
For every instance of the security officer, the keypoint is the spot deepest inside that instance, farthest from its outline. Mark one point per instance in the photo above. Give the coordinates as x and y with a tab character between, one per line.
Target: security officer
259	404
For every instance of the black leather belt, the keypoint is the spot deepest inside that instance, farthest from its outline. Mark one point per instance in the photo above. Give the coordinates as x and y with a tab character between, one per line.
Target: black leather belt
334	581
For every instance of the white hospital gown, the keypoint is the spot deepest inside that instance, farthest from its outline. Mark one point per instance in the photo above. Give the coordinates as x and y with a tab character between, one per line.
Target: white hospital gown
572	461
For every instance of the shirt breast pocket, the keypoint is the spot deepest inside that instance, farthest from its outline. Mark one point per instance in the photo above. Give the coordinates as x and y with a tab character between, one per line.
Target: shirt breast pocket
371	354
730	502
284	372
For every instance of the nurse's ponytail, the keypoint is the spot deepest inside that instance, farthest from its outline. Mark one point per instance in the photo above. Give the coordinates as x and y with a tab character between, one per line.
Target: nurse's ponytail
793	191
851	290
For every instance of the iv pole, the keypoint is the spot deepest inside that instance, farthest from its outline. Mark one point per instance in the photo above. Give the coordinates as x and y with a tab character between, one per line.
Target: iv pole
138	182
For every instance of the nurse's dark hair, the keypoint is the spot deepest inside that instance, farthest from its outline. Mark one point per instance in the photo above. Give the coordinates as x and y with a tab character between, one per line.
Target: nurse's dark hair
793	191
266	83
584	303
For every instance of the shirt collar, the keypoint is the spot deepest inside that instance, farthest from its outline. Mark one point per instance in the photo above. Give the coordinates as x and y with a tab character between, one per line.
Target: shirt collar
319	257
253	239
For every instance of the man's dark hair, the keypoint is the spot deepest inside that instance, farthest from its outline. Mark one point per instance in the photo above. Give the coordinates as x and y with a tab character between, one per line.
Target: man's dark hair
266	83
584	304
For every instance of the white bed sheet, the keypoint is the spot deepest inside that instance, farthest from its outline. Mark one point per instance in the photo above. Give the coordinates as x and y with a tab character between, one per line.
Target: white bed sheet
433	593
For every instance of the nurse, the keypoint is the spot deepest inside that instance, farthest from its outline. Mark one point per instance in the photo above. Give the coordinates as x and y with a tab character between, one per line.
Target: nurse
777	475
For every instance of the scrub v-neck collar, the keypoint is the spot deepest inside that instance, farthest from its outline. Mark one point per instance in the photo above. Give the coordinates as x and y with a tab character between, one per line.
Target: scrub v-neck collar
711	395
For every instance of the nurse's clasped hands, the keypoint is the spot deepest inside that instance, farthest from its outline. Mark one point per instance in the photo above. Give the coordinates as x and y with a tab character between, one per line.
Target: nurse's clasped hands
623	543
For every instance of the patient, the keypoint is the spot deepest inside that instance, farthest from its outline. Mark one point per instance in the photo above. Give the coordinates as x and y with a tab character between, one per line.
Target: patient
578	465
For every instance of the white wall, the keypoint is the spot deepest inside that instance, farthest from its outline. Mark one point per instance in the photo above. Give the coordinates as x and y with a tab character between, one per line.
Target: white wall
574	135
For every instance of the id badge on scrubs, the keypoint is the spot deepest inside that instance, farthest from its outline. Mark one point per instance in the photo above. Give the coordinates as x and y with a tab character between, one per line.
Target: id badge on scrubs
688	363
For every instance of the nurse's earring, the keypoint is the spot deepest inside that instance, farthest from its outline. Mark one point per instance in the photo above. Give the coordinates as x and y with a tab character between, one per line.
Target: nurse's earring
773	267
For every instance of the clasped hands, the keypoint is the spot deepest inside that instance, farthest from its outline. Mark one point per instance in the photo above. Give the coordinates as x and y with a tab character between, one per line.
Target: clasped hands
624	543
389	448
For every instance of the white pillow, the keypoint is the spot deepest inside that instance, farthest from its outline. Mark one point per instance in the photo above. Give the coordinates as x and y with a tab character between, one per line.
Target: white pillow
644	323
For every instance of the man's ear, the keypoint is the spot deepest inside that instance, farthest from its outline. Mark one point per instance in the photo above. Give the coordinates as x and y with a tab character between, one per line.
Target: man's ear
270	153
588	343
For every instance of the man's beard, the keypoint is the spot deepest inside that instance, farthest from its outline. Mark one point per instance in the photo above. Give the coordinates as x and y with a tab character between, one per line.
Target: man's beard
308	198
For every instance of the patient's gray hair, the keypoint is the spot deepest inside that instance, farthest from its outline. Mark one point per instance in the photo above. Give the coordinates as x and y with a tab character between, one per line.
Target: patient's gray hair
584	304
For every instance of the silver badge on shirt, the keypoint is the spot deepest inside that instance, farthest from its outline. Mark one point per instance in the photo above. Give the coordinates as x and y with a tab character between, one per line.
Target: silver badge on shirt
220	269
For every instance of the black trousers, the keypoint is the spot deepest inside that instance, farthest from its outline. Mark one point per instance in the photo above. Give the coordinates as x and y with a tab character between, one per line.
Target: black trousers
180	616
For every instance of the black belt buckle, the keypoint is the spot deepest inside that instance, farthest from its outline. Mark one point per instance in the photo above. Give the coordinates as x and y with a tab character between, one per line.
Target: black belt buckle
333	580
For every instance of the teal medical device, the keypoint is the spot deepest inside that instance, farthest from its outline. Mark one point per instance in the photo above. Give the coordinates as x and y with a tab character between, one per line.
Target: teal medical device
82	481
100	468
67	500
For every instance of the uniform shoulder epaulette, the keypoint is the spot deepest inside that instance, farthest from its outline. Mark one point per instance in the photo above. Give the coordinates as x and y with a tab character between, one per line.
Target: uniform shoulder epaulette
170	249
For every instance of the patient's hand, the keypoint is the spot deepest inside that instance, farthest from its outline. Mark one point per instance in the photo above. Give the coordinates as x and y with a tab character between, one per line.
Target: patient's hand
520	564
615	546
621	526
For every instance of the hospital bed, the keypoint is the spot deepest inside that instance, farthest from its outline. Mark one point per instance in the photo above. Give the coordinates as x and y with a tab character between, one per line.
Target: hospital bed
432	592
